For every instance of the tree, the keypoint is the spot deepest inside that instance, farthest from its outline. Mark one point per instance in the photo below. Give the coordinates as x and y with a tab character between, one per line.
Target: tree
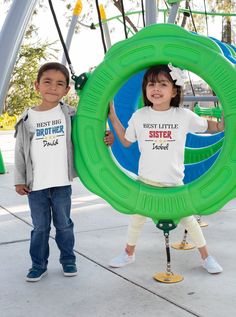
32	54
21	92
227	6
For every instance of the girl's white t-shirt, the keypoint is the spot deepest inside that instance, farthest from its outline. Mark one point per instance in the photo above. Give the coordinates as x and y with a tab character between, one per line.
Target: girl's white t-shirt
161	137
48	148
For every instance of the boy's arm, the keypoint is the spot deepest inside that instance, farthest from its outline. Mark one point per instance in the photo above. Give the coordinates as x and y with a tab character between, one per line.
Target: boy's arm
20	168
22	189
120	130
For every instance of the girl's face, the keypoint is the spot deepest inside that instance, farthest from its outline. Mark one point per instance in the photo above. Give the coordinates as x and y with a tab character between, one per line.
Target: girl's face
160	92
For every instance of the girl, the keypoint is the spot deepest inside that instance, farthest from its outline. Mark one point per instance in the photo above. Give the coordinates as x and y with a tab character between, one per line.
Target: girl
160	128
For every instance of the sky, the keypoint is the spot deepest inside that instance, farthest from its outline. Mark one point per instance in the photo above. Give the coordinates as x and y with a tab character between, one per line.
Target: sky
86	48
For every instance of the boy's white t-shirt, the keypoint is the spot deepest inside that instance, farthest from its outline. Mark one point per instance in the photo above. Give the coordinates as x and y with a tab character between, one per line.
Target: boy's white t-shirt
161	137
48	149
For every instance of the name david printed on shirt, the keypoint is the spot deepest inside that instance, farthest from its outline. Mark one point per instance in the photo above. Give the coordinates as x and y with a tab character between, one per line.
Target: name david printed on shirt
49	131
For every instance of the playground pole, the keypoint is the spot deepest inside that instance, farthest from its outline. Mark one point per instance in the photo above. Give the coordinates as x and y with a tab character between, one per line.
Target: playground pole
105	26
76	12
201	98
69	36
10	40
173	12
151	12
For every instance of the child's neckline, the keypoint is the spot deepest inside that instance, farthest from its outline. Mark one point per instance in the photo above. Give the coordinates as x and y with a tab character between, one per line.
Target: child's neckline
43	110
161	111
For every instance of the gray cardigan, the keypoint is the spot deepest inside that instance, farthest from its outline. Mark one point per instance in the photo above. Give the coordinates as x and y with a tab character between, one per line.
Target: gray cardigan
23	164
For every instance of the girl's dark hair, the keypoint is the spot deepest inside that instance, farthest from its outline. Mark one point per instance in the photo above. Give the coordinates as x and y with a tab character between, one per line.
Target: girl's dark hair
151	75
55	66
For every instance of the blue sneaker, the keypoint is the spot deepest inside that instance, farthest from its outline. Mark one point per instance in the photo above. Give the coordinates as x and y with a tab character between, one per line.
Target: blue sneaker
69	269
35	274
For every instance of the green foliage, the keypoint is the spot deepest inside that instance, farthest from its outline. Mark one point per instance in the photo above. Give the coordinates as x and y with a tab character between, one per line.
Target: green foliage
21	92
71	98
173	1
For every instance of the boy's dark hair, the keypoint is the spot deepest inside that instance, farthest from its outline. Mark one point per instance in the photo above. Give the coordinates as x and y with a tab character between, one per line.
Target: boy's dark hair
55	66
151	75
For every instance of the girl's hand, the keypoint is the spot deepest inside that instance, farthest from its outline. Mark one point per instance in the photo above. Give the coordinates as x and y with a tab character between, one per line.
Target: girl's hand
109	138
221	124
216	126
22	189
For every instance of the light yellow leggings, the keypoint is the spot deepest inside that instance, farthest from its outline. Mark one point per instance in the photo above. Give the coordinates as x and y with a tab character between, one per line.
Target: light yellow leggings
189	223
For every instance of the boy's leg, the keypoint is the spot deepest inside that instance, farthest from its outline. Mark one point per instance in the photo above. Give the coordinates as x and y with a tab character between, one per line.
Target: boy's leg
61	208
41	217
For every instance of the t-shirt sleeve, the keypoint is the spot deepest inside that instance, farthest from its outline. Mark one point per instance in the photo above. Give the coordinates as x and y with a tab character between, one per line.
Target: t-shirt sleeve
196	123
130	133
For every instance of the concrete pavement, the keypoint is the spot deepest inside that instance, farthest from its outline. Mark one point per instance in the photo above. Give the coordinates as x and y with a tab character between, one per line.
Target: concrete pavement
99	291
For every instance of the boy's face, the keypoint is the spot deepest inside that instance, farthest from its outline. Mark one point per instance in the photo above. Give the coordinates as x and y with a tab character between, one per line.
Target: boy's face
52	87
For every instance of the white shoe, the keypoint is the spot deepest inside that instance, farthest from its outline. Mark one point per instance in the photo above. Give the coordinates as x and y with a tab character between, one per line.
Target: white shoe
211	265
122	260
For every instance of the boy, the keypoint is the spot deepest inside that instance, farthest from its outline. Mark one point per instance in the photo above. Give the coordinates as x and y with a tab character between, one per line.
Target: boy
44	169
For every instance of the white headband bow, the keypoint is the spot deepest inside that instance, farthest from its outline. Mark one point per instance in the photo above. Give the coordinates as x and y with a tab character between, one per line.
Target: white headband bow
177	74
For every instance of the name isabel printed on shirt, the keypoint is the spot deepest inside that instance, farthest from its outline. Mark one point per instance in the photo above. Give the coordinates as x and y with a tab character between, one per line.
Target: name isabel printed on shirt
160	147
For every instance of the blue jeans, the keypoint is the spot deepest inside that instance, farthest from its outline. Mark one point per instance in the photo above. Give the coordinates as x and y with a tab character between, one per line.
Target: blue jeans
45	205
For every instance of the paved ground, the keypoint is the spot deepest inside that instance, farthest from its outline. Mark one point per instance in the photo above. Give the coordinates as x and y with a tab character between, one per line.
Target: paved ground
99	291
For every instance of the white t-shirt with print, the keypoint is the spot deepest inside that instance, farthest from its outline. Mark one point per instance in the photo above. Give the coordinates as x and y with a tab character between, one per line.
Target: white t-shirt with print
48	148
161	137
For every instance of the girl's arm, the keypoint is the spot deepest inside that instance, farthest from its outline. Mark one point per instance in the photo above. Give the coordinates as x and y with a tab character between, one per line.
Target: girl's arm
109	138
216	126
120	130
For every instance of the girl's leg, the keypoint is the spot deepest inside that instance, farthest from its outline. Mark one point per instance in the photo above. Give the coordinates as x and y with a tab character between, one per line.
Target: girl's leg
192	226
195	231
128	256
135	227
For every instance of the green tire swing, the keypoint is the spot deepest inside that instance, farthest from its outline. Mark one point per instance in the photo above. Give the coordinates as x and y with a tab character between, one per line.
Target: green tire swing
155	44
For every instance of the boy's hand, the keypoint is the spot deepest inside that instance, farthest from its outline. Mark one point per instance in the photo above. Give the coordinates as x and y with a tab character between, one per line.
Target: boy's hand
109	138
22	189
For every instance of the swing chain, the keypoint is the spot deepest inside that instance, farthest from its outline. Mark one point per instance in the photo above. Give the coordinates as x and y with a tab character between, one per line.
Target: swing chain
167	244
